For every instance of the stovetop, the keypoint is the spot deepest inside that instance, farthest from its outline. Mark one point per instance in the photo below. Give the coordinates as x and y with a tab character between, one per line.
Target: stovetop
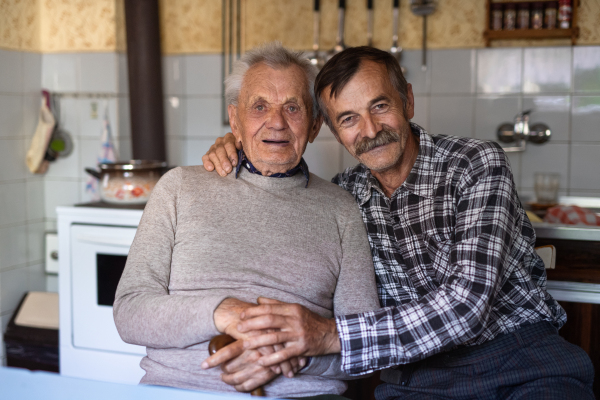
102	204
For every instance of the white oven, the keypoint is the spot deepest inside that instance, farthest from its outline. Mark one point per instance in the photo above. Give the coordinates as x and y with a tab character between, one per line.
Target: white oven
93	248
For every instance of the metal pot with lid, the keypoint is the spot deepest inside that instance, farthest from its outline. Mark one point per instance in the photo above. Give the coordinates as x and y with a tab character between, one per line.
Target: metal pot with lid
128	182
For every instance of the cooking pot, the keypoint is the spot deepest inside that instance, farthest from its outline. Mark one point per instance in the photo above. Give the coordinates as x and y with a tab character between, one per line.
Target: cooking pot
128	182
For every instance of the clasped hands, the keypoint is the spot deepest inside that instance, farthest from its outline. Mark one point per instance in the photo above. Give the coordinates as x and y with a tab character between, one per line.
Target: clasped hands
273	338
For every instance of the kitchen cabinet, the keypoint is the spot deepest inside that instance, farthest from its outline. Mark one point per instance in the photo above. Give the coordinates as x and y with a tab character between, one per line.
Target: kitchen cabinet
575	283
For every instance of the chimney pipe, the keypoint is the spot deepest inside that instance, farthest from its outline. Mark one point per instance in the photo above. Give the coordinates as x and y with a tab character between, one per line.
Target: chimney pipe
145	80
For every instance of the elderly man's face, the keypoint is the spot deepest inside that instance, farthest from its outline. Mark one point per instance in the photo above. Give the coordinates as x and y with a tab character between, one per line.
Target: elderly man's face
273	118
369	117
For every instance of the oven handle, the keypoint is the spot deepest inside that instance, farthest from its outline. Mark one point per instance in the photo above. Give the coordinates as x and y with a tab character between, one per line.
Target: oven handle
111	241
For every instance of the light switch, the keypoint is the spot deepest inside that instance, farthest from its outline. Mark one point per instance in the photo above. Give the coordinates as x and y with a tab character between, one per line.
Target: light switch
52	253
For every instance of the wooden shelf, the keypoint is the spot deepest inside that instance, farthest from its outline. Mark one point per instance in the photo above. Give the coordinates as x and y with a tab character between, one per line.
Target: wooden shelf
571	33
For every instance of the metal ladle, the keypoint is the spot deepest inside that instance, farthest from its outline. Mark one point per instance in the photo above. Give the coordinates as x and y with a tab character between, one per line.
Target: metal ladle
423	8
316	59
396	49
339	42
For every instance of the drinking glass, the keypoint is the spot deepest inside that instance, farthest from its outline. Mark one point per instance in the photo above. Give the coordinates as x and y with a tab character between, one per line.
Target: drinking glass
546	187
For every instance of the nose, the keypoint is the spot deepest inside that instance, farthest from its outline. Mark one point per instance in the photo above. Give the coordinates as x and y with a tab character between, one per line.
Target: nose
276	119
370	127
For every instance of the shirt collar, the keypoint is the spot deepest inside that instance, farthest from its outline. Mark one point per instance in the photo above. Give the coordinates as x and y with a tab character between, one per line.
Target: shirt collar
419	178
243	160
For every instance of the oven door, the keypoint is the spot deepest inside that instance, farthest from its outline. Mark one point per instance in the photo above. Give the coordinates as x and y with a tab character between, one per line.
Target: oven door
98	255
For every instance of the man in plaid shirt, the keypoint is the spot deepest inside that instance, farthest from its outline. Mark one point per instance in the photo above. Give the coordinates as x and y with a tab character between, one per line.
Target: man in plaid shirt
465	309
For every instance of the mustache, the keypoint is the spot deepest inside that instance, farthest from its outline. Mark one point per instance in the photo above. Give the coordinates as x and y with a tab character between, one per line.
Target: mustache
383	137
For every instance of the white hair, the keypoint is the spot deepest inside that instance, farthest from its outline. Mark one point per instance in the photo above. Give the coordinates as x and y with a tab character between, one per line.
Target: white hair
276	56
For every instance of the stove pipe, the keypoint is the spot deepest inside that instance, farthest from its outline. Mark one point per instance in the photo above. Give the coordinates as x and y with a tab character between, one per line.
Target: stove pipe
145	80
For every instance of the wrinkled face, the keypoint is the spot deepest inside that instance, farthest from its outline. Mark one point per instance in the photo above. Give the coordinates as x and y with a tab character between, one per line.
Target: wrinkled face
273	118
369	117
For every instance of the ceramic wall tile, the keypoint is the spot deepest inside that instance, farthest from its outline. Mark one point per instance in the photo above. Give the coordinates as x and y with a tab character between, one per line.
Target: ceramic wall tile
98	72
453	71
547	69
203	75
491	112
499	70
585	166
176	150
451	115
59	193
91	122
89	151
514	160
12	159
11	71
175	107
37	277
173	71
195	149
35	198
552	111
586	69
325	134
32	73
203	117
550	157
419	79
36	242
61	72
585	118
13	246
11	115
324	158
14	283
347	160
421	111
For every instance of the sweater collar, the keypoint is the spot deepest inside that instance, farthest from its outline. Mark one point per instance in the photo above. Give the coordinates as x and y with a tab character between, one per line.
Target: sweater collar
243	160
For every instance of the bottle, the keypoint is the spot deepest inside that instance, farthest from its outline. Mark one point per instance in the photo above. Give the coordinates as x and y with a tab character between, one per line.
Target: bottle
564	14
510	17
496	16
523	16
550	15
537	15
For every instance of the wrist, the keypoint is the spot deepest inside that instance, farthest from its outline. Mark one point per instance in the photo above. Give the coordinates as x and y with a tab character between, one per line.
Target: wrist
333	339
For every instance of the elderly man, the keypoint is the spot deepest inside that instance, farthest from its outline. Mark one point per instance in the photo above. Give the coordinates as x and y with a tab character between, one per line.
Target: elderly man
207	247
466	314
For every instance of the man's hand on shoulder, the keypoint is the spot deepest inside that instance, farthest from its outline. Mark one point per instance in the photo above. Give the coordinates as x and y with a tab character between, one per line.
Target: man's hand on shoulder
222	155
299	330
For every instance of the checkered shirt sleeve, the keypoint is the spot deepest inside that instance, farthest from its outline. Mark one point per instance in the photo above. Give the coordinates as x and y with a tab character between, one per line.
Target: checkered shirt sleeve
453	253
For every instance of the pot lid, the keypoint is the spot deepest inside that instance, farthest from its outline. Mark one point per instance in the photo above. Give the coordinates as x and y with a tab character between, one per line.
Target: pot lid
132	165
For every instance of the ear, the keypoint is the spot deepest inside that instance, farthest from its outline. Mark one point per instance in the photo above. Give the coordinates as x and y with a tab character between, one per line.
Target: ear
410	103
315	129
233	122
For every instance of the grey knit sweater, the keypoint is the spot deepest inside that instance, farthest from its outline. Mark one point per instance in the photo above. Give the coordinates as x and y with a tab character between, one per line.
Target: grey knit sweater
204	238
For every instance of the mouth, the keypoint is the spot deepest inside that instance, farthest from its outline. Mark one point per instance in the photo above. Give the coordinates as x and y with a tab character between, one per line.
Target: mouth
276	142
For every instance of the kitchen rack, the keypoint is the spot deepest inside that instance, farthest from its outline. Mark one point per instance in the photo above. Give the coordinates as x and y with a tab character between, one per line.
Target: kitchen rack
570	33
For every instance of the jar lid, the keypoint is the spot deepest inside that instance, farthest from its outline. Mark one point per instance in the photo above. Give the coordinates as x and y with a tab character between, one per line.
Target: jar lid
132	165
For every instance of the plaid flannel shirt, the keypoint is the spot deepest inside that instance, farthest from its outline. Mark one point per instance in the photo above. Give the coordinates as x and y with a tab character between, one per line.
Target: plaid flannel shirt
454	257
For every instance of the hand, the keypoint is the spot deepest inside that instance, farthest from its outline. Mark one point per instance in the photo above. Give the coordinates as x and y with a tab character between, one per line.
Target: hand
227	316
228	354
302	332
222	155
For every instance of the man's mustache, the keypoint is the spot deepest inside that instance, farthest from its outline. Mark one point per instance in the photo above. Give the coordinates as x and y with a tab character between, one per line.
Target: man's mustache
383	137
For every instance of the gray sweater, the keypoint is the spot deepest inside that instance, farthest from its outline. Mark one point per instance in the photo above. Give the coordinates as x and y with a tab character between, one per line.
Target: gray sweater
204	238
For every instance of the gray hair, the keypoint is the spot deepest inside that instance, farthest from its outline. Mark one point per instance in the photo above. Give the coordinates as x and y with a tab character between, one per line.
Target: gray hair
276	56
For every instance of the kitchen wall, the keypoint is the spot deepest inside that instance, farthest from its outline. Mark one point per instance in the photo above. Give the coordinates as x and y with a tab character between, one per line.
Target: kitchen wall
22	214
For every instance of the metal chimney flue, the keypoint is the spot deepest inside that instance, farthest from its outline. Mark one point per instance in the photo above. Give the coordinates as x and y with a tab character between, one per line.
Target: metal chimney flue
145	80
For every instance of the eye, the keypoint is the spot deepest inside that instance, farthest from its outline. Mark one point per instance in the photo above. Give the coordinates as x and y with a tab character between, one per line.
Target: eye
380	107
293	108
260	107
347	121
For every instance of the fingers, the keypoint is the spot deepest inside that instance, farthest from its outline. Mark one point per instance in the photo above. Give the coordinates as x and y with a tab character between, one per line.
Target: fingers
231	151
246	381
230	138
206	163
266	300
280	356
226	354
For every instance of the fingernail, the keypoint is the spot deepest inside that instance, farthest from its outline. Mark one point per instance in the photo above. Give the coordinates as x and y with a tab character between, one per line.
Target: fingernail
204	365
278	370
227	168
290	374
302	362
234	161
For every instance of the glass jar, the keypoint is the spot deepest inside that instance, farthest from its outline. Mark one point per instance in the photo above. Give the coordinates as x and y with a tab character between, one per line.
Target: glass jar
550	14
523	16
564	14
510	17
496	16
537	15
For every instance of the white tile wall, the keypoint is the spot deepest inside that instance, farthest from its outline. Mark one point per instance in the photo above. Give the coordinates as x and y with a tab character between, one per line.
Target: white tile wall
11	115
499	70
11	71
547	69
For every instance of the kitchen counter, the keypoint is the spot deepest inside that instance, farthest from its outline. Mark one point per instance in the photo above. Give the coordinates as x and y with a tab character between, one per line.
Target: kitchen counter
26	385
544	230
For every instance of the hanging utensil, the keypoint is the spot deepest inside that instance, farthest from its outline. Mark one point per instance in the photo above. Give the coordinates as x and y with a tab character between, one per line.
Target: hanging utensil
339	42
370	23
316	59
423	8
396	49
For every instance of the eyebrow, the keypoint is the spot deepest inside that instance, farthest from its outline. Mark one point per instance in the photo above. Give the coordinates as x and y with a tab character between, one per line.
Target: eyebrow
371	103
260	98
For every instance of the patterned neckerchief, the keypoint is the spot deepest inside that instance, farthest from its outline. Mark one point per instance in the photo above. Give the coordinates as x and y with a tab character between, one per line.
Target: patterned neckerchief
243	160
